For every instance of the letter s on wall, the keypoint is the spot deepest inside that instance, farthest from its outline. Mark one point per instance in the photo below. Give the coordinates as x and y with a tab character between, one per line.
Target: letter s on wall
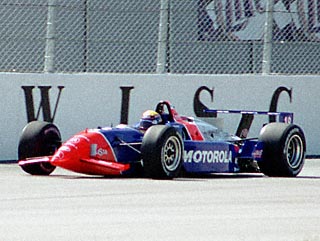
198	106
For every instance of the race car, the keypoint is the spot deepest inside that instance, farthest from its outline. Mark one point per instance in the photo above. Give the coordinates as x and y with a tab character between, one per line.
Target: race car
165	145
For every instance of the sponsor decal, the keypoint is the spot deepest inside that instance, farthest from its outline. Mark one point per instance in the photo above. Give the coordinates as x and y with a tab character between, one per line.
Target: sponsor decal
204	156
101	152
60	153
96	151
76	139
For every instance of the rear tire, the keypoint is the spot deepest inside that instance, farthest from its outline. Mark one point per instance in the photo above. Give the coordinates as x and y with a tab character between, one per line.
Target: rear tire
38	139
162	152
284	149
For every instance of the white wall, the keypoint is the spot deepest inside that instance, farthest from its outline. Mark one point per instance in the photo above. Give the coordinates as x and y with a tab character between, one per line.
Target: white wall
91	100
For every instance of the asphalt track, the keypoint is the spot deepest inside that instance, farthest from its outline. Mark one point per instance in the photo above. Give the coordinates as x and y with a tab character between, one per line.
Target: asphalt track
69	206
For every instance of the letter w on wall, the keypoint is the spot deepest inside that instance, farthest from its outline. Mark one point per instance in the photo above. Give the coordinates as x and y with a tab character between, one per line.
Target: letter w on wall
44	104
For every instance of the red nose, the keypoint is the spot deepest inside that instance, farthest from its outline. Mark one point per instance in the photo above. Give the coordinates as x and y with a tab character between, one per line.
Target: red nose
69	155
88	152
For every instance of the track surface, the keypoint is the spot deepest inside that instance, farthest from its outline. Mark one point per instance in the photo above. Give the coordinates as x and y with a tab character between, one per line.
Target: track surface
68	206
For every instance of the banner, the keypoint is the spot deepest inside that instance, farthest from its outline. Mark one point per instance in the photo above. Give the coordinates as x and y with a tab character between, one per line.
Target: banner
240	20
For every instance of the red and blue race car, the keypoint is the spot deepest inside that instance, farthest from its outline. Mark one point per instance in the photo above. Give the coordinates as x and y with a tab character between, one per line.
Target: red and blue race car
165	146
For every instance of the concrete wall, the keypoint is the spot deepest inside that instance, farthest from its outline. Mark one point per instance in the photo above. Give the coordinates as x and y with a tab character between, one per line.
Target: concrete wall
91	100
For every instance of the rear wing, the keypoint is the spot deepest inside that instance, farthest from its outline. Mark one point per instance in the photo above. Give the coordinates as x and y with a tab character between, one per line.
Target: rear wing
248	116
286	117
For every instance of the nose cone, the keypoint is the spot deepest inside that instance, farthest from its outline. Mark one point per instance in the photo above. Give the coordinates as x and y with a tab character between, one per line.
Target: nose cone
69	155
88	152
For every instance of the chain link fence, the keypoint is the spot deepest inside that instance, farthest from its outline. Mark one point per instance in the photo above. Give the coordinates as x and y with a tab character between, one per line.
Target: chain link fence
161	36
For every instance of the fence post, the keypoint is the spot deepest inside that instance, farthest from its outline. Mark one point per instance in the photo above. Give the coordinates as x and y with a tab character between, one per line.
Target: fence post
163	36
267	40
49	61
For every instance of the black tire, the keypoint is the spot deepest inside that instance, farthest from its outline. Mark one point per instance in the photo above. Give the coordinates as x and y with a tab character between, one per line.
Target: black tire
284	150
162	152
38	139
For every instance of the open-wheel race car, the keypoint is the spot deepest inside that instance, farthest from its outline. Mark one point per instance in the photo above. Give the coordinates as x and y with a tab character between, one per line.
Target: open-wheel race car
165	145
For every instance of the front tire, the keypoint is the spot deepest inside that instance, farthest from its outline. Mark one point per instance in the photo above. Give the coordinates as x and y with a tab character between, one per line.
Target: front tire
162	152
38	139
284	149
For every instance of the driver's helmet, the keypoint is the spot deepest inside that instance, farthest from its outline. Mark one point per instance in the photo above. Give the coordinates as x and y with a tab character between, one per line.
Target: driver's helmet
149	118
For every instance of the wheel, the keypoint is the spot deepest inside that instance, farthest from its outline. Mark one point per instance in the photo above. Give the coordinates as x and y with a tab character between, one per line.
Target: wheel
162	152
284	148
38	139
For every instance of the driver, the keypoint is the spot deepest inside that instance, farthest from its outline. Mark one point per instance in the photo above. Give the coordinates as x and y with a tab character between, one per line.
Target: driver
149	118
